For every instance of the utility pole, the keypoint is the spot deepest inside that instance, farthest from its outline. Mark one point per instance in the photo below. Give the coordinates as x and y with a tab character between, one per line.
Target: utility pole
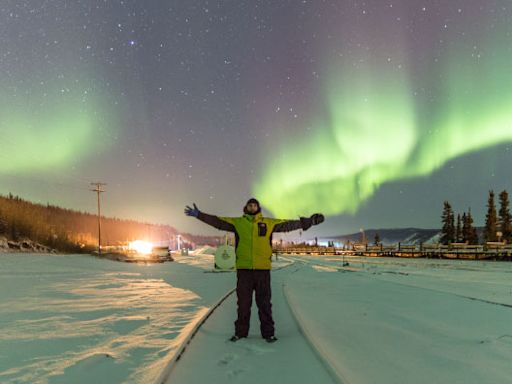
363	239
179	242
99	189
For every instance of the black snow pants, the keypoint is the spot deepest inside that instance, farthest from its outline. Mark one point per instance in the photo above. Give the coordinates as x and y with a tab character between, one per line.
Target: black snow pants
249	280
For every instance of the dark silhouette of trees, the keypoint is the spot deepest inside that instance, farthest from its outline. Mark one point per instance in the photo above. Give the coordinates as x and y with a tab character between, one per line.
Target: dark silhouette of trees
376	240
505	225
491	227
448	229
74	231
469	233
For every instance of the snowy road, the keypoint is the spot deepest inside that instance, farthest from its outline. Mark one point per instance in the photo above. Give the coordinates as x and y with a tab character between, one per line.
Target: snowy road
211	357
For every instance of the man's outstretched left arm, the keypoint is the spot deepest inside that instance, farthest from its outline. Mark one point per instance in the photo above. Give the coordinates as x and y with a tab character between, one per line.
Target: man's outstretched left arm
303	223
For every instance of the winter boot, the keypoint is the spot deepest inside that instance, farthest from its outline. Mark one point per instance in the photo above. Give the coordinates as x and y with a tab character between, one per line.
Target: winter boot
271	339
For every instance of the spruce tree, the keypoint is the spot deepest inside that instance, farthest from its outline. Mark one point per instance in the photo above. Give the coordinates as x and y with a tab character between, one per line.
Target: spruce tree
472	235
448	229
505	220
458	230
465	228
490	219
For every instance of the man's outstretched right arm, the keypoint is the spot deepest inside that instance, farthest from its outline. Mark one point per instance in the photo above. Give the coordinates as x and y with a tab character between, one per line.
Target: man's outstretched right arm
212	220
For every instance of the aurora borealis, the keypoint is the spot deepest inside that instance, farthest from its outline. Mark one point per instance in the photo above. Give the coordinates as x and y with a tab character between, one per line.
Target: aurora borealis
376	130
371	112
49	135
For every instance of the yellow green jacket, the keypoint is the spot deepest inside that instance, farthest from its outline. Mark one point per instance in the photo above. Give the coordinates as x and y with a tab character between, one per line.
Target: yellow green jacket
253	236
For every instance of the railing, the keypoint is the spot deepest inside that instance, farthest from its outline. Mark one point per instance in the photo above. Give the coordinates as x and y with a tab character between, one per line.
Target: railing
491	250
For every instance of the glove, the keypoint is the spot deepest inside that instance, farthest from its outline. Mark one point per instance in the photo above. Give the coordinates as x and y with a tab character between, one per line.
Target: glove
192	211
317	218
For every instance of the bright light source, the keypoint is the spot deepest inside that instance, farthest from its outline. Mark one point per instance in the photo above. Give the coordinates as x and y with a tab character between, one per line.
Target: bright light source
141	246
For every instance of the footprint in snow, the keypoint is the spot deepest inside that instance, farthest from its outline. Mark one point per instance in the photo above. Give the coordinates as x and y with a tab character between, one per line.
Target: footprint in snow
234	373
256	349
227	358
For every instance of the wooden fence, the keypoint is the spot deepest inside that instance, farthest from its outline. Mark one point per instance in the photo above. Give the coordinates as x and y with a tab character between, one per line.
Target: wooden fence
489	251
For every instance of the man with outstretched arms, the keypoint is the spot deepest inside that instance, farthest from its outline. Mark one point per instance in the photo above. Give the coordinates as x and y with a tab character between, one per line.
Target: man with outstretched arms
253	248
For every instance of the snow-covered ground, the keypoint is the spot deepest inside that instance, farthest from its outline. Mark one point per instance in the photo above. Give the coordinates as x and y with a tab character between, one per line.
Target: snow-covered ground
374	321
79	319
408	321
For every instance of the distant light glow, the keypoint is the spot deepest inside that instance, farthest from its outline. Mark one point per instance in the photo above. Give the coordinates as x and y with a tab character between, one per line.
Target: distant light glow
141	246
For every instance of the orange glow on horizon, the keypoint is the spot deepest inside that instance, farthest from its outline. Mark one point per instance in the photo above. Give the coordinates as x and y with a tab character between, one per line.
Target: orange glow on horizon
141	246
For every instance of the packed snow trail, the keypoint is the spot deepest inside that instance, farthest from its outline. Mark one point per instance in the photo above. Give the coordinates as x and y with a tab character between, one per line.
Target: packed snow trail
211	357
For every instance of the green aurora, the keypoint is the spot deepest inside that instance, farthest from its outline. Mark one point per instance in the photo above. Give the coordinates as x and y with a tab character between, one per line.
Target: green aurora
52	128
377	131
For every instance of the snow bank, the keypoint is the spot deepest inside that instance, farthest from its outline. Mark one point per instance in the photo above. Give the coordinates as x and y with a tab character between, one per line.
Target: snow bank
25	245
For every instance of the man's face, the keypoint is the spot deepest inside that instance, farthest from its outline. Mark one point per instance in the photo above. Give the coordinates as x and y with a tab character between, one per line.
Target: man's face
252	207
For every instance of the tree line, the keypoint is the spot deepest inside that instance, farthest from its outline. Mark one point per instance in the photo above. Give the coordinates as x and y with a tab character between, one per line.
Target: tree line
498	226
75	231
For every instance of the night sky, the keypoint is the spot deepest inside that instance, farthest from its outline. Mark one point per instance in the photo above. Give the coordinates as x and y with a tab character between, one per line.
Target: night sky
371	112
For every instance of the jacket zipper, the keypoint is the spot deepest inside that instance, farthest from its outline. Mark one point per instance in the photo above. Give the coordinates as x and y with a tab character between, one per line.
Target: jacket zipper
252	243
